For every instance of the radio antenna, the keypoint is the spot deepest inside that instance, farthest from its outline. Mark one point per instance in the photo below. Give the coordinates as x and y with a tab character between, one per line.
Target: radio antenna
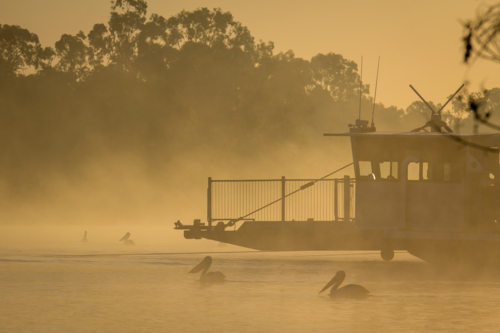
375	96
360	87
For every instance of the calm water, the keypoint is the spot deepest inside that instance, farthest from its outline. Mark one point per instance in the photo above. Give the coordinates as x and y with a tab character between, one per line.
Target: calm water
107	287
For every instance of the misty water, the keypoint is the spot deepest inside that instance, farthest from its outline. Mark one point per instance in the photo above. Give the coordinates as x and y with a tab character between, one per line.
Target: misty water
51	282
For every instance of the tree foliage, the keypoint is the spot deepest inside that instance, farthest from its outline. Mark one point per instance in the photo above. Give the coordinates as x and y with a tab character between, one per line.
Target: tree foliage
20	49
482	34
160	88
481	39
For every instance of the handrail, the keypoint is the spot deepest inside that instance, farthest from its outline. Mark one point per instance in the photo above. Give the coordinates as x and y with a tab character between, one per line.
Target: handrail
230	200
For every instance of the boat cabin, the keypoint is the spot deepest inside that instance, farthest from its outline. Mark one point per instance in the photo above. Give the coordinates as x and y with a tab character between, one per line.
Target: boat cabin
431	182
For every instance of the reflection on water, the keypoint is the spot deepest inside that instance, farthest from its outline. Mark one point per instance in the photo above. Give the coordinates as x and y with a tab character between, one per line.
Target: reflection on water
99	287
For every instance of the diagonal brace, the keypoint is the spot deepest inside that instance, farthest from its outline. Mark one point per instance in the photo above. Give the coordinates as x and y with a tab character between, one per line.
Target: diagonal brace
416	92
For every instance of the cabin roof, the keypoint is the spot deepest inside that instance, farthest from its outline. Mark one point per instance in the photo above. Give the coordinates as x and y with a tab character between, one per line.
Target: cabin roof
415	134
481	139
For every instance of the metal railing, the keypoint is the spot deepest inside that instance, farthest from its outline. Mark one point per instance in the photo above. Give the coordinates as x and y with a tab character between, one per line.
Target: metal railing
326	200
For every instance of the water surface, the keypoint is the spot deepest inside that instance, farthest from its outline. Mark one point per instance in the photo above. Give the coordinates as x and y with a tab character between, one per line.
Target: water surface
103	286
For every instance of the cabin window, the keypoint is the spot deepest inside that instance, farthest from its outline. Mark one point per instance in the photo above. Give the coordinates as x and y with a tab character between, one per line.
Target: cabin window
435	171
379	171
445	172
426	172
413	171
389	170
494	155
365	168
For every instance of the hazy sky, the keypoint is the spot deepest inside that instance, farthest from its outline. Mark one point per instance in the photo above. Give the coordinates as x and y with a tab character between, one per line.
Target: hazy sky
419	41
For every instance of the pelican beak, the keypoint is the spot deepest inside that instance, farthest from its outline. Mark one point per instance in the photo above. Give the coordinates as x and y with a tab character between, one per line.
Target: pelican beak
127	235
329	284
201	265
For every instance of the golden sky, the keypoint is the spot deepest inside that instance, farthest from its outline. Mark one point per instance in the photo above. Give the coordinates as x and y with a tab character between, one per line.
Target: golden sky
419	42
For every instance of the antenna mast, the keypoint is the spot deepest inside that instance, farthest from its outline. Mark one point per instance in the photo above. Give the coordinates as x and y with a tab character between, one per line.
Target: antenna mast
375	96
360	87
362	125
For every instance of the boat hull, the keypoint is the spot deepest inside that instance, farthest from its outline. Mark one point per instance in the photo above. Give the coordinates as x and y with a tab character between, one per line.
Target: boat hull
296	236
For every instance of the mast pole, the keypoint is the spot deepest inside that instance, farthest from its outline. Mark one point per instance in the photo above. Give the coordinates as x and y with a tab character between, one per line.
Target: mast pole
360	87
375	96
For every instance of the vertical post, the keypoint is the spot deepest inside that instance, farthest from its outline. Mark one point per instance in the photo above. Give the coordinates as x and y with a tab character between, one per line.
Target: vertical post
335	200
283	184
209	204
347	199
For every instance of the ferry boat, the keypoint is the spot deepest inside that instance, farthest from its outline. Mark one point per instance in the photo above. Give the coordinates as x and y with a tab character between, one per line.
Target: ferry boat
434	194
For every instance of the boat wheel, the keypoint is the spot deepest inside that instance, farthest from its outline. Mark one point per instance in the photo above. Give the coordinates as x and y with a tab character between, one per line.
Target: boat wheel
387	254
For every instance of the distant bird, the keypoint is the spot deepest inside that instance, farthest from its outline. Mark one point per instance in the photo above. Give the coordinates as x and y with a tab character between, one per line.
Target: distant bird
84	239
210	277
125	239
349	291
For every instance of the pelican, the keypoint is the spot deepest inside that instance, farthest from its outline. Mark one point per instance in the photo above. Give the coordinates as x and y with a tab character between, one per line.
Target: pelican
125	239
210	277
349	291
84	239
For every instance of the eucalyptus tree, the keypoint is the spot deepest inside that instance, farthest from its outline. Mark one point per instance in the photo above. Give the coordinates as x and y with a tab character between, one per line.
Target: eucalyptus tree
21	51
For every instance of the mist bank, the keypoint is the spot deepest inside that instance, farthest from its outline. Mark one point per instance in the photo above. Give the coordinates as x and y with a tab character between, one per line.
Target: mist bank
124	123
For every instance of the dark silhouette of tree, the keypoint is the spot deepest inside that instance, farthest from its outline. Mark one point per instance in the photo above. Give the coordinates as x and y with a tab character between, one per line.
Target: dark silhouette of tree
20	50
337	75
138	6
73	55
213	28
162	88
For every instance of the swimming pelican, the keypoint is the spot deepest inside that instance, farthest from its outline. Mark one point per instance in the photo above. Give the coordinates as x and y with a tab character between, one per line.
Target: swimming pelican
349	291
210	277
84	239
125	239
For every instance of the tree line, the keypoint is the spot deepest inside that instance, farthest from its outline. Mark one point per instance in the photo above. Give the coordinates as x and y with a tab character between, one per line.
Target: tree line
158	87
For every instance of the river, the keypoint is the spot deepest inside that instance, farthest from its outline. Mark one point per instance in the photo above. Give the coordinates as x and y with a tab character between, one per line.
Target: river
54	285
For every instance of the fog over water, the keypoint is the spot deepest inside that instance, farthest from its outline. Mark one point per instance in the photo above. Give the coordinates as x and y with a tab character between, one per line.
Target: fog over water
56	283
115	129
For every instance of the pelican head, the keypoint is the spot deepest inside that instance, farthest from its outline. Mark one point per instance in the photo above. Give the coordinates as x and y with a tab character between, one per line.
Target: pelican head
125	239
208	277
348	291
